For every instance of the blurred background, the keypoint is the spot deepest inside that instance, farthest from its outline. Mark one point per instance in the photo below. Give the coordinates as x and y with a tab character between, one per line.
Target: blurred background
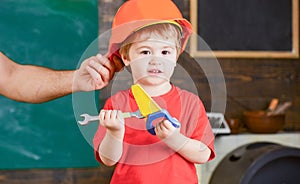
255	42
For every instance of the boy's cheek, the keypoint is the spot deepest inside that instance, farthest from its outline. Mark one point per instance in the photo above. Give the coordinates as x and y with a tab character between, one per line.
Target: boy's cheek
169	70
138	70
140	67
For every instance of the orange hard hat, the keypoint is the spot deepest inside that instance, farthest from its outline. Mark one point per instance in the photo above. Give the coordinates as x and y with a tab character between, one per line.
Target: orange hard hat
134	14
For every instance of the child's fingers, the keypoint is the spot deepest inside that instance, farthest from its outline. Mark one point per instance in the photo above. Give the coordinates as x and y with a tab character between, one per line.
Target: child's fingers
167	125
120	116
110	118
107	115
160	127
114	114
101	115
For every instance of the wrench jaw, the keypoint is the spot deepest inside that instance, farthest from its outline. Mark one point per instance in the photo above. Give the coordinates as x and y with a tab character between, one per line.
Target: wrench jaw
85	120
81	122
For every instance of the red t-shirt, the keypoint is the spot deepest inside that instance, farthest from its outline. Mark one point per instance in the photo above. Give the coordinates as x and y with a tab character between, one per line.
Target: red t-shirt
145	158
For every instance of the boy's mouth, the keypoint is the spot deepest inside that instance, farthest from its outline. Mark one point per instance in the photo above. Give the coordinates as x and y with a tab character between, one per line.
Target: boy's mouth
154	71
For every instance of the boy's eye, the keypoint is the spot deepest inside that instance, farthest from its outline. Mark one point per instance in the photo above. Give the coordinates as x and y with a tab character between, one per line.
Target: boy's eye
145	52
165	52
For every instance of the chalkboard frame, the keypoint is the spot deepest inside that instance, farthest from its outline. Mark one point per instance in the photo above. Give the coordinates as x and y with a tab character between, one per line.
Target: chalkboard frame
291	54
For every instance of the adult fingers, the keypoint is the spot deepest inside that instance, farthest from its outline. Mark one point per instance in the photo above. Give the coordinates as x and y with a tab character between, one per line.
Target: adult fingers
95	76
103	73
106	63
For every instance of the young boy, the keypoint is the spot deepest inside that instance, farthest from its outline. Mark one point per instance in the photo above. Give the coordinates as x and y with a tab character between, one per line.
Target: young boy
151	51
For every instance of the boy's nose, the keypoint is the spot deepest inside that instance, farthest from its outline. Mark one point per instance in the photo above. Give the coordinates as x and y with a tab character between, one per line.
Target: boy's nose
155	61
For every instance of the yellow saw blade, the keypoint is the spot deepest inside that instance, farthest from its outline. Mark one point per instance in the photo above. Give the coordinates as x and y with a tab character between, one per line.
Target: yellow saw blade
145	103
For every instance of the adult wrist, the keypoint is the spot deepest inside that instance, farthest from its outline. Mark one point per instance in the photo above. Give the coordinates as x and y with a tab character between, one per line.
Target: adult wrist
75	86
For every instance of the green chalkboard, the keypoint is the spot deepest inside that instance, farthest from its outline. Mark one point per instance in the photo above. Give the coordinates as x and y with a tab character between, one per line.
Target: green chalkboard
55	34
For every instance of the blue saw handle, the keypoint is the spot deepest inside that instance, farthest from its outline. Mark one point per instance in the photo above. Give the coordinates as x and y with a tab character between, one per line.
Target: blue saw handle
160	114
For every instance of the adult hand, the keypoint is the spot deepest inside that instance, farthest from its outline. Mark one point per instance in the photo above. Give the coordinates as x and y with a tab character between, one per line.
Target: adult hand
94	73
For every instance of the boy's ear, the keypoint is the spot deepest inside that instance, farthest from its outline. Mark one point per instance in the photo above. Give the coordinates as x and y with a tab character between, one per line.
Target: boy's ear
125	60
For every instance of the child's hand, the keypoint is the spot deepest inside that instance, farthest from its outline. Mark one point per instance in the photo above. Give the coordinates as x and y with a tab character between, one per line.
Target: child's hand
164	129
112	120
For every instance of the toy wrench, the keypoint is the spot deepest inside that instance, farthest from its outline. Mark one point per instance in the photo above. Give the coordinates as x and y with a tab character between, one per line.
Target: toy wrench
149	109
88	118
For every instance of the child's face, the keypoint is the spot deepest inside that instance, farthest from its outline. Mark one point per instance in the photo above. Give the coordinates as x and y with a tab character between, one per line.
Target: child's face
152	61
